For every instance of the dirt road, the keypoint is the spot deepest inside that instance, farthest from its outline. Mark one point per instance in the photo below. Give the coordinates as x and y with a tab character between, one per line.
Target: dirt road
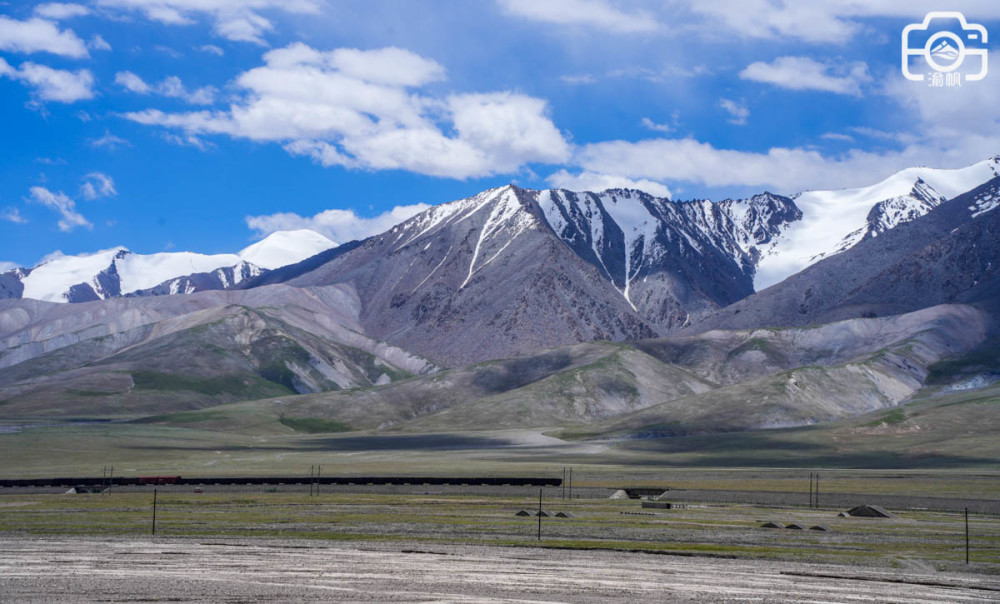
211	570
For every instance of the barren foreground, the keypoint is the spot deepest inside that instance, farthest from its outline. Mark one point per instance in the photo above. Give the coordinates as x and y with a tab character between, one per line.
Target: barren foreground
182	570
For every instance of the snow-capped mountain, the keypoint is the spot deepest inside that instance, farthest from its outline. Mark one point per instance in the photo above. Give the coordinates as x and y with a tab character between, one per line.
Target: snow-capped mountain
513	270
834	221
119	272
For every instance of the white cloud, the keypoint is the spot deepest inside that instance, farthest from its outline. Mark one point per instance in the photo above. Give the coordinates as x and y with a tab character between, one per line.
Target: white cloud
187	140
338	225
66	207
813	21
98	43
39	35
650	124
356	109
97	184
109	140
238	20
61	10
596	14
213	49
7	266
592	181
390	66
170	86
786	170
804	73
13	215
738	112
55	85
818	21
132	82
837	136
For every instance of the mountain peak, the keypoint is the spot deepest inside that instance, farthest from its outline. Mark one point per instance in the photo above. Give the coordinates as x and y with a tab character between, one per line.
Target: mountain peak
282	248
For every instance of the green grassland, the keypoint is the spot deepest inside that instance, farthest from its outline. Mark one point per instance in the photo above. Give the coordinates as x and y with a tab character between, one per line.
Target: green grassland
912	540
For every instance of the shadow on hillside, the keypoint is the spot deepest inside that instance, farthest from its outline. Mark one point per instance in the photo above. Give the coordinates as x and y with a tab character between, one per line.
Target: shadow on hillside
775	449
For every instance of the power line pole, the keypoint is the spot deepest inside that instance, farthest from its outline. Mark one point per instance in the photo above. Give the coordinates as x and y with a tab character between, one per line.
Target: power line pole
966	535
539	514
810	489
571	482
154	512
564	483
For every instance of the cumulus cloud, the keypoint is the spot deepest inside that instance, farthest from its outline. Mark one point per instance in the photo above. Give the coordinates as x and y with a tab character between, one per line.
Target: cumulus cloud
592	181
737	110
57	85
595	14
359	109
39	35
61	10
804	73
7	266
337	225
97	184
238	20
61	203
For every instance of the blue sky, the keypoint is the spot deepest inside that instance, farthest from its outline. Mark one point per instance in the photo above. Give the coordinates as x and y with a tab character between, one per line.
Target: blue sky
202	125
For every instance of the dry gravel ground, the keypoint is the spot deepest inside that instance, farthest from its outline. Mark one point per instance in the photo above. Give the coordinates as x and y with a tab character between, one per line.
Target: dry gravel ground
211	570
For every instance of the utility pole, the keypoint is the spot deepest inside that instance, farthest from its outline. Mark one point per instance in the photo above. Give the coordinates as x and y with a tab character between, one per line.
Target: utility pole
817	489
564	483
318	470
539	514
571	482
154	512
966	535
810	489
312	471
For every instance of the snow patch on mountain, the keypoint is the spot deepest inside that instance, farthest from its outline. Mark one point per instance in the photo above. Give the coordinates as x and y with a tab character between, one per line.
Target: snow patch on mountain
638	226
833	221
989	201
118	271
507	220
51	280
142	271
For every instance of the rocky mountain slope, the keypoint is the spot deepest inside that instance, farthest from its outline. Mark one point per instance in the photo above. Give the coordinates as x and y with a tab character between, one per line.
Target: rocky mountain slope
949	255
715	382
533	269
129	355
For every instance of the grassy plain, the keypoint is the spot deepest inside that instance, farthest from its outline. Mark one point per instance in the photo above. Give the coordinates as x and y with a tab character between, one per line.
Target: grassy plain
914	540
